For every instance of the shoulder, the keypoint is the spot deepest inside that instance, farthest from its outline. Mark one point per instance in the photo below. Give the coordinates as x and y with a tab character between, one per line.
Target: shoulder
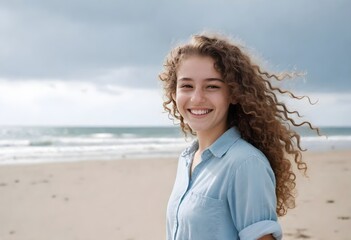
243	153
249	167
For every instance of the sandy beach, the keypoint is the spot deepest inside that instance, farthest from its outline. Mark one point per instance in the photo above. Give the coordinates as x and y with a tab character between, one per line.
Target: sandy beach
126	200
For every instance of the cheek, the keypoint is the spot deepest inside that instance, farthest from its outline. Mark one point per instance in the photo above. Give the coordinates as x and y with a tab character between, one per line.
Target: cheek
180	100
223	101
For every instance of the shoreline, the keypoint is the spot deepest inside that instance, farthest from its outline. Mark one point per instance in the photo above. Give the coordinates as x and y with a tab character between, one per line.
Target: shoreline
140	157
127	198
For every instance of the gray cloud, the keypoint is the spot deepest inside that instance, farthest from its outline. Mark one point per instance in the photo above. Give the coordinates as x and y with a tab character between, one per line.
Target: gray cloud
94	40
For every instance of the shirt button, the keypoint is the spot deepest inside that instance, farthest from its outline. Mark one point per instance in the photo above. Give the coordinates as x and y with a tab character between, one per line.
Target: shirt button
206	154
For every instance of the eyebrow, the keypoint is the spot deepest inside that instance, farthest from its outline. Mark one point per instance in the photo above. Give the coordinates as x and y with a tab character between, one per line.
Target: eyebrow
206	79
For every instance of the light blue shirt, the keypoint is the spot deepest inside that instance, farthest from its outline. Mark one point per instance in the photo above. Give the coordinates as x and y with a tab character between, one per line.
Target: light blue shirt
230	194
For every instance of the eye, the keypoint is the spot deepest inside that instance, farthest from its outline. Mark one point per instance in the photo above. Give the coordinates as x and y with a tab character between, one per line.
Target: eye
186	86
213	86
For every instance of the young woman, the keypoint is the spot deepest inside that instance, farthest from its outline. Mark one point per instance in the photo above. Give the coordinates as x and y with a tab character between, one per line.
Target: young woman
236	178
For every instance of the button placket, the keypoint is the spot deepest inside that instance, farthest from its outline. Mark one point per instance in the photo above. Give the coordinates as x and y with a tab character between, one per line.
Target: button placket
188	183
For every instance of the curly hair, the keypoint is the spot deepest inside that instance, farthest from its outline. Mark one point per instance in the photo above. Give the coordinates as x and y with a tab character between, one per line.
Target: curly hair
261	118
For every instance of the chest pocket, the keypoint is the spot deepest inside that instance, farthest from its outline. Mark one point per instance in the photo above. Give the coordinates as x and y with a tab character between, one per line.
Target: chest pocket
201	201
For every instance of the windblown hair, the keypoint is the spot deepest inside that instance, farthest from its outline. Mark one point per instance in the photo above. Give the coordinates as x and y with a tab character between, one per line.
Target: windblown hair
261	118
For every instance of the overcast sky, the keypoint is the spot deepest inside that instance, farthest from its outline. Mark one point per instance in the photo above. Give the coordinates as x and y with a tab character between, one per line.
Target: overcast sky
96	62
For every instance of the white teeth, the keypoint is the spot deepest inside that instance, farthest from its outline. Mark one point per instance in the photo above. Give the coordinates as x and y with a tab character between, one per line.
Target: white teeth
199	112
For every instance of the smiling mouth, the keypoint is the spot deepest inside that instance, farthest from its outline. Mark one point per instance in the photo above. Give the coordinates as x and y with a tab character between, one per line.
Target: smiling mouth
200	112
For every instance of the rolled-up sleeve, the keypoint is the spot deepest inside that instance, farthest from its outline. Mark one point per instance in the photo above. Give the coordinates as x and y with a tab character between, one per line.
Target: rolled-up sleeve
252	200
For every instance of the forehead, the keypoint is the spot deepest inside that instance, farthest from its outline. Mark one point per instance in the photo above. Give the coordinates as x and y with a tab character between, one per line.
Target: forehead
197	67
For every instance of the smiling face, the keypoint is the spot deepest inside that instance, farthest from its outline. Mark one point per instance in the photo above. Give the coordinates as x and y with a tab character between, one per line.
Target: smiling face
202	97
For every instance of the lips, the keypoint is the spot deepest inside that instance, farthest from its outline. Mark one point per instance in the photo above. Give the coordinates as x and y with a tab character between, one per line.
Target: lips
200	112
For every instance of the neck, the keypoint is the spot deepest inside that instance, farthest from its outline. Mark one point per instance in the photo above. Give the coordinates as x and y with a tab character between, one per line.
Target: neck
205	139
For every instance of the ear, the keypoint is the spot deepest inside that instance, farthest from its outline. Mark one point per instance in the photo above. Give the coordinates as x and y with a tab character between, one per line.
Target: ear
173	96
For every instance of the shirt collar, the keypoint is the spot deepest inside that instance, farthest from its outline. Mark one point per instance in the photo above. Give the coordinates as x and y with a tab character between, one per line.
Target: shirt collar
189	152
224	142
220	146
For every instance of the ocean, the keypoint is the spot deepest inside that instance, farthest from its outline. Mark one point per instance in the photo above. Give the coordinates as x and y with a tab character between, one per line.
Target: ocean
20	145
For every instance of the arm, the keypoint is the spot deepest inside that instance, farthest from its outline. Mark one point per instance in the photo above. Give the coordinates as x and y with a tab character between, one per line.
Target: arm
252	200
267	237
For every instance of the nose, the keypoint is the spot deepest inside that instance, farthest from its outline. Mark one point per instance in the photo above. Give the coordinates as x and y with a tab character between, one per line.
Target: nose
198	96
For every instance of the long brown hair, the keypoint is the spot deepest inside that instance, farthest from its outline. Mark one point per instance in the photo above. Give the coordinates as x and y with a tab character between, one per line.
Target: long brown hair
261	118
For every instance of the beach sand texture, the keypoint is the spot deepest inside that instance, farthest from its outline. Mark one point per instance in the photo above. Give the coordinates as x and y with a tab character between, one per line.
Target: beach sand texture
126	200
